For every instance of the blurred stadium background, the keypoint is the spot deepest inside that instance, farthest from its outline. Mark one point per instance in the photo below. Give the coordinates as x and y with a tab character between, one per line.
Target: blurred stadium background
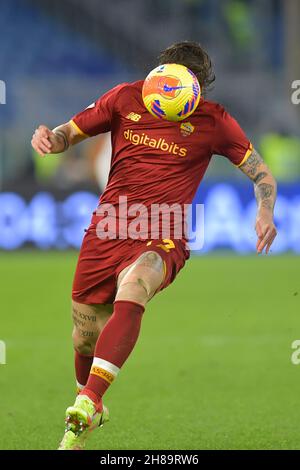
56	57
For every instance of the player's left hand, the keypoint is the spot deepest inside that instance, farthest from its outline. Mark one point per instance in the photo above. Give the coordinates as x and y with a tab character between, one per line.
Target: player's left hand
265	230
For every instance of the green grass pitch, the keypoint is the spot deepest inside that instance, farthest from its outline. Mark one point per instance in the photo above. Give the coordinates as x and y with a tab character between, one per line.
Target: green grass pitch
212	368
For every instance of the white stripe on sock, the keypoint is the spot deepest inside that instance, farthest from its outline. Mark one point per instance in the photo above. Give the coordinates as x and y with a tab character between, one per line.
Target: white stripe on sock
79	386
106	365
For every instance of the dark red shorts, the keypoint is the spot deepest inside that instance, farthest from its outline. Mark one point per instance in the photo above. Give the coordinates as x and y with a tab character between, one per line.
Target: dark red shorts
101	261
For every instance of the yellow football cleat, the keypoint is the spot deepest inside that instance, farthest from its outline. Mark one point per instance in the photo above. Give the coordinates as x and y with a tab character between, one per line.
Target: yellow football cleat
81	419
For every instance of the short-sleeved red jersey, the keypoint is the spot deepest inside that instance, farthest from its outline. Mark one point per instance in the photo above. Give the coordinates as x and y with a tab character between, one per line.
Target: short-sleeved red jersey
156	161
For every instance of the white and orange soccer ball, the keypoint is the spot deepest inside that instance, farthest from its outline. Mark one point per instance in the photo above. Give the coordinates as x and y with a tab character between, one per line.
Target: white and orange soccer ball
171	92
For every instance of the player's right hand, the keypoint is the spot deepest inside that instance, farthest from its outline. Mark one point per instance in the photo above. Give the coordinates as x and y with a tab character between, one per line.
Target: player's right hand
43	140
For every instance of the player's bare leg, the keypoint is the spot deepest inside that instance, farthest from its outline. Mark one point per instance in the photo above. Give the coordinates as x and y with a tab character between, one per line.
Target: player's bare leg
137	285
139	281
88	320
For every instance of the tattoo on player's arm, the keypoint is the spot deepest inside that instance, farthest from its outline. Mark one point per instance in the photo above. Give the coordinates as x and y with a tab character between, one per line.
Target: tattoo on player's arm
265	195
264	183
259	177
251	165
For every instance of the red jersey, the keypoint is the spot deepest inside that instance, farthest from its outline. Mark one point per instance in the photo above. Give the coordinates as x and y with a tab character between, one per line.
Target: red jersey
156	161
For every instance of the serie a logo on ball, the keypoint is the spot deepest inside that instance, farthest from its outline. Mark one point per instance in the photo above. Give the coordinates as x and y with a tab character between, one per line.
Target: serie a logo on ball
171	92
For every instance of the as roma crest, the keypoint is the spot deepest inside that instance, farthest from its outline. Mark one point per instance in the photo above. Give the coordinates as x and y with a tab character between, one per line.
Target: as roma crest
186	128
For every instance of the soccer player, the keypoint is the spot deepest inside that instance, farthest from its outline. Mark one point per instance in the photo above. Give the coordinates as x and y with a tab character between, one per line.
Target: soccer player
153	162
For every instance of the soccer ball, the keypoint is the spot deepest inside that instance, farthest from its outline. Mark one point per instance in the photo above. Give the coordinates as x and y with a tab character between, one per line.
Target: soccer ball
171	92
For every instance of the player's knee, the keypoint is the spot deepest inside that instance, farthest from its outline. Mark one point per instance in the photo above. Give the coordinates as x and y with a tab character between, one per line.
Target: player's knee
84	342
138	283
143	278
132	291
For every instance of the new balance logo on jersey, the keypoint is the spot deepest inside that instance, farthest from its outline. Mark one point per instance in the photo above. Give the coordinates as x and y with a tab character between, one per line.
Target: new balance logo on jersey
134	117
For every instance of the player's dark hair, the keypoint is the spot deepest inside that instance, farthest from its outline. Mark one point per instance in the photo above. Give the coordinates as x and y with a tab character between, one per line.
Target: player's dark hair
194	57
